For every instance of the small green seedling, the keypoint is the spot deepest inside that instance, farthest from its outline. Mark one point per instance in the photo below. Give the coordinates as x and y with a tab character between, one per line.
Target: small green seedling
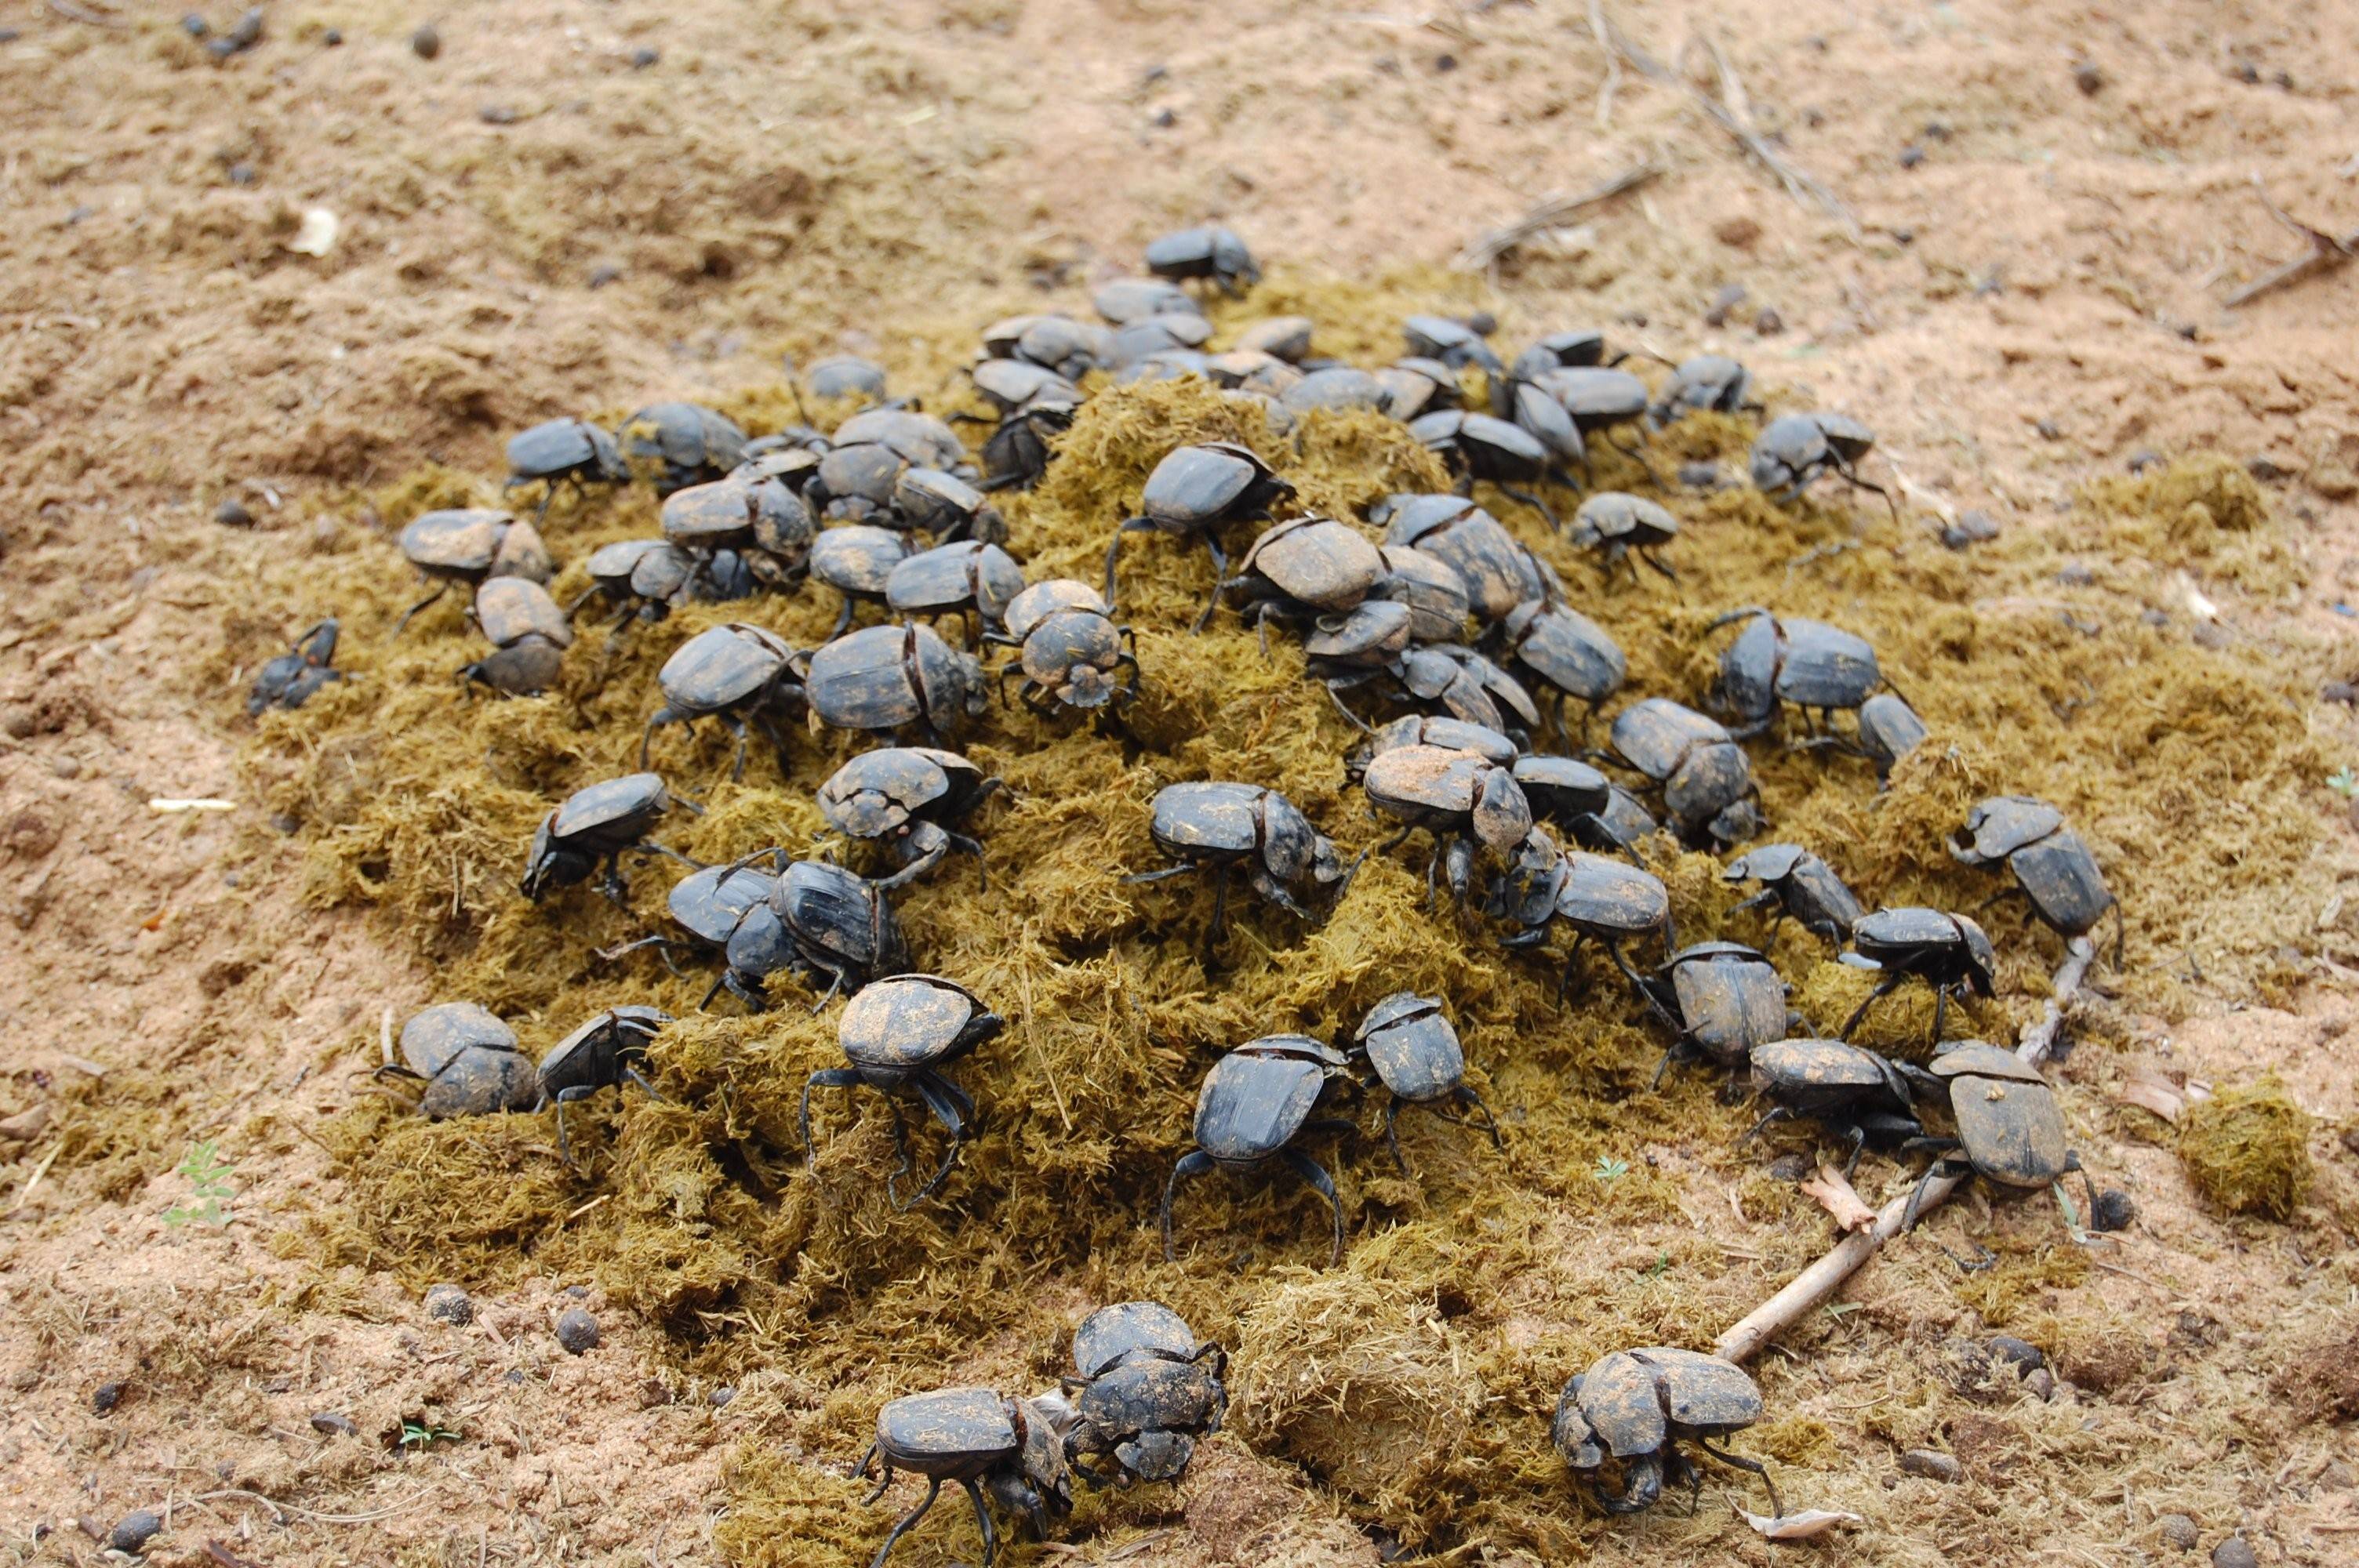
2343	781
419	1432
210	1191
1608	1169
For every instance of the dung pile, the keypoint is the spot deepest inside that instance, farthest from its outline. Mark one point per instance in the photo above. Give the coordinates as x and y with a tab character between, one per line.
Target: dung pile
1469	1294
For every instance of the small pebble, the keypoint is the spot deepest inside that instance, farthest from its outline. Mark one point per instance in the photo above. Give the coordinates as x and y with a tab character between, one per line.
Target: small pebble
65	767
2087	78
23	1379
496	115
1973	527
2250	75
2116	1210
1935	131
721	1395
2177	1530
426	43
286	822
232	513
1447	62
2267	468
1932	1465
1730	296
327	1423
2234	1553
1699	475
2020	1354
1911	155
577	1331
334	38
1790	1167
2141	461
1482	323
1164	119
134	1529
2076	574
2340	691
2211	634
604	274
2153	616
1768	323
106	1397
449	1304
2048	430
645	56
241	174
196	26
2041	1385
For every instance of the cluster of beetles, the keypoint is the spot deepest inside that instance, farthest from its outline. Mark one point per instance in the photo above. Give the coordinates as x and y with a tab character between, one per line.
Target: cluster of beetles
889	514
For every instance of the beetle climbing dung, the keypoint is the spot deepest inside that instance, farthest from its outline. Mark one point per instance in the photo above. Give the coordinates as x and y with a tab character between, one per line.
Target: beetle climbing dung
1636	1407
1254	1103
2053	869
1409	1042
1144	1390
898	1034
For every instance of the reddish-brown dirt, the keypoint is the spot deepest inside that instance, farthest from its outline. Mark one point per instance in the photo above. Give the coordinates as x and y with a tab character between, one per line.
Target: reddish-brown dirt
535	224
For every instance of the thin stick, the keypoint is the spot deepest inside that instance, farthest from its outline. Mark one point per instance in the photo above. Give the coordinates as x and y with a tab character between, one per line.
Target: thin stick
73	13
1612	65
1811	1286
2326	253
283	1509
1548	213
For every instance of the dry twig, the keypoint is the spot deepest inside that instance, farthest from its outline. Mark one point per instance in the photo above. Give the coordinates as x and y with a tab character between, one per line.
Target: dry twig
73	13
1548	212
1813	1285
2325	254
1613	83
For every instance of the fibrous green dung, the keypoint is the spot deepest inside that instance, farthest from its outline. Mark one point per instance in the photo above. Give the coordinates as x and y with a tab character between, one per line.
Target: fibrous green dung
1416	1379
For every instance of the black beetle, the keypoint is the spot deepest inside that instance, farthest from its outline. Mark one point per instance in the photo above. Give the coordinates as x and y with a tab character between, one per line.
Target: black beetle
1724	999
1147	1390
1019	449
469	546
1214	826
1010	386
884	677
1786	659
1192	492
1436	595
1305	569
289	680
1281	336
1458	797
818	919
1594	896
909	797
592	830
707	903
1209	253
860	473
1801	885
1567	653
856	560
944	506
1333	388
641	577
467	1059
1415	386
1451	342
972	1436
741	513
898	1034
2010	1130
1949	951
1850	1090
1408	1041
1585	802
1421	730
1254	1103
1374	640
1888	730
733	673
1478	447
970	579
528	634
563	451
1621	526
604	1053
2053	868
1794	448
680	444
846	376
1173	331
1708	785
1713	382
1128	299
1073	349
1638	1406
1069	650
1594	397
1499	572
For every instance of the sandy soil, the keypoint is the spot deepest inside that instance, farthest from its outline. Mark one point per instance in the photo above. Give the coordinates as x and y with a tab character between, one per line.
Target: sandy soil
536	222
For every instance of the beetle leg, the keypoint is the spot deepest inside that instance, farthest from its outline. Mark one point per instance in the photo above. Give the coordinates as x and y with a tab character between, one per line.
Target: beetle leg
563	1098
1182	868
663	716
1219	581
1490	1122
825	1078
1940	1011
843	619
1776	1113
1312	1172
1571	953
737	727
1392	1135
860	1472
441	588
2119	939
982	1517
1638	984
1938	1168
1537	503
933	1490
1213	932
1884	987
1777	1509
1195	1163
1336	697
938	1092
641	1079
1642	1485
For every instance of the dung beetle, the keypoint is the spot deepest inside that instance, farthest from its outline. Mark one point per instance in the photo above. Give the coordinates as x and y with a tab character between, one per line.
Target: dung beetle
1638	1406
1707	383
528	634
1334	387
590	831
972	580
706	904
1724	999
1128	299
846	376
1794	448
1255	1102
909	797
1246	370
898	1034
1213	254
1499	572
818	919
561	451
1567	653
1888	730
884	677
1544	419
467	1059
944	506
1069	650
1801	885
1176	331
856	560
1578	798
471	545
1458	797
1594	397
641	577
604	1053
1621	526
1304	568
1786	658
680	444
1848	1089
740	511
1596	897
1215	827
1415	386
1281	336
1010	386
1019	449
1072	349
733	673
2010	1129
2053	868
1478	447
289	680
1192	492
1436	595
1707	783
1374	642
1469	684
1148	1388
1574	347
861	472
1408	1041
1422	729
983	1441
1948	951
1451	342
